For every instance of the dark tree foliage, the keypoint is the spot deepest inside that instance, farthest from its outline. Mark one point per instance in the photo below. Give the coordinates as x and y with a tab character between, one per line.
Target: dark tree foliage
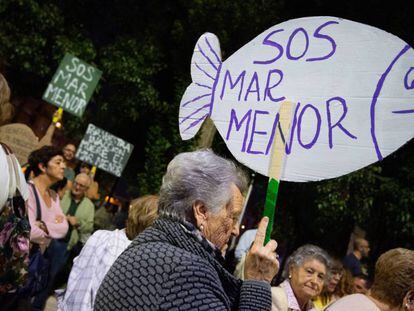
144	50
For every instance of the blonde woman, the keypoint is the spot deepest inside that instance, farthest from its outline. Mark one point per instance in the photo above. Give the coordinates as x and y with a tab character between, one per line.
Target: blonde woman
338	285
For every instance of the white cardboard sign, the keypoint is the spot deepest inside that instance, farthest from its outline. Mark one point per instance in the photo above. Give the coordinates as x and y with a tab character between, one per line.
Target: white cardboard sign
352	88
104	150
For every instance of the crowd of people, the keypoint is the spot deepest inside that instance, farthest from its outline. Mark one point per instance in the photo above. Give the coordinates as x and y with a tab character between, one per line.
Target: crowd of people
62	197
171	250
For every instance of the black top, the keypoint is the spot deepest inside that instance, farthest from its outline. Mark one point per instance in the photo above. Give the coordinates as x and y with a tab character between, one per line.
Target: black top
352	264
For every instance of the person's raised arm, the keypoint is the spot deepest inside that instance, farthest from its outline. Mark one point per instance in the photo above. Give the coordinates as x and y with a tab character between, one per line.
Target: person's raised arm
261	260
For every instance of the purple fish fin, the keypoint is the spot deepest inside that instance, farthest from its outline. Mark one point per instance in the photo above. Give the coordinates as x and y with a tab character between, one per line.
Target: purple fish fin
197	102
194	109
206	60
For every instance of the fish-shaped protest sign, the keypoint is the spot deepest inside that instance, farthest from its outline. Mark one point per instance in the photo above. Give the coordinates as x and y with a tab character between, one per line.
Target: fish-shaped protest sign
351	85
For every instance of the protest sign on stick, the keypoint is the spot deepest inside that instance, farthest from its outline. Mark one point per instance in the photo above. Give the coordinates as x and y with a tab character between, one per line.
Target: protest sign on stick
276	165
104	150
72	85
351	87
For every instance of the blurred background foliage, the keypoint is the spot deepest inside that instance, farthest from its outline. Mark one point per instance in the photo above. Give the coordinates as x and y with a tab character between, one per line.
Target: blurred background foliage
144	50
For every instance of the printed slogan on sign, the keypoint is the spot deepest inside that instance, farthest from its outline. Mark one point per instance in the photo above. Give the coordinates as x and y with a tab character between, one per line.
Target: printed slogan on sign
351	85
104	150
72	85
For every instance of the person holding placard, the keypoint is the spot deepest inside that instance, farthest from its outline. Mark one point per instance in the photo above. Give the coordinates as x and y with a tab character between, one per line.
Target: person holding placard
69	151
176	263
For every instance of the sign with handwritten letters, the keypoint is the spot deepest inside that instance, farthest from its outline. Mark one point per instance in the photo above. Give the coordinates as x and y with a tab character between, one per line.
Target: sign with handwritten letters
104	150
72	85
351	85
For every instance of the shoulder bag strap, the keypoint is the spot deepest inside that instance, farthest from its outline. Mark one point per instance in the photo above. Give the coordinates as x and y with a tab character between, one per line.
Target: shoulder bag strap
38	210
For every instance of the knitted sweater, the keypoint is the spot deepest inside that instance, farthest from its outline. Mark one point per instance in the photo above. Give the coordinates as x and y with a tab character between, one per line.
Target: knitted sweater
168	267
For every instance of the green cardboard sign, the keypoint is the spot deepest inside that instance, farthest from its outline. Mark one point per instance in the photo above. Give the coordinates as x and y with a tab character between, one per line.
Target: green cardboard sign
104	150
72	85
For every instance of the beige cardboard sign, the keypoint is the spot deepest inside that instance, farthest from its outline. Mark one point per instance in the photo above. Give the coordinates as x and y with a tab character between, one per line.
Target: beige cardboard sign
22	141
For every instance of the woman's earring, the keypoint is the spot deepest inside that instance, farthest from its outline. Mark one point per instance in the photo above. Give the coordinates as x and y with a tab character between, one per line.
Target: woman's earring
290	276
201	227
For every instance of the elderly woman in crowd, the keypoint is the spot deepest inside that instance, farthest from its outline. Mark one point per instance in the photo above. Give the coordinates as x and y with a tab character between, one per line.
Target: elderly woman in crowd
306	270
338	285
100	252
393	287
47	166
176	263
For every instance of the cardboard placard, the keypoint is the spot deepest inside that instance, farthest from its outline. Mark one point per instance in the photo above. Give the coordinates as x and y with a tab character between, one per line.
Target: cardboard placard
351	85
104	150
72	85
22	141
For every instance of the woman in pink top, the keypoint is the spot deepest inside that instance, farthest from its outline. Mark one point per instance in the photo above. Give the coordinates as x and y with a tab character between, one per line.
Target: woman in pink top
47	165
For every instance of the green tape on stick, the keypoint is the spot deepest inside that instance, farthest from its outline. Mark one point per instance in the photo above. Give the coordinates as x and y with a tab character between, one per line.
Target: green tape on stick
270	205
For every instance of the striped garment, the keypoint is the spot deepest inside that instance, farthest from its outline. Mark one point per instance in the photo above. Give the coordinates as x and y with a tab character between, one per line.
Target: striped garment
89	269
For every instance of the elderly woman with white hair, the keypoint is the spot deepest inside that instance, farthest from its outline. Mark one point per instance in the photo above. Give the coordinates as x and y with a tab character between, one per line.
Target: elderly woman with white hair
306	273
176	263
